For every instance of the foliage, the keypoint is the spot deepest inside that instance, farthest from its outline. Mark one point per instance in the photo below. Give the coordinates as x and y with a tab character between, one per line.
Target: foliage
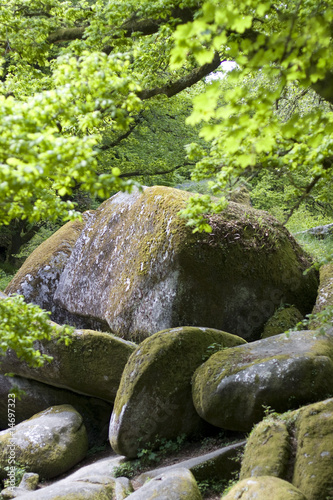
22	324
287	49
20	470
324	318
75	74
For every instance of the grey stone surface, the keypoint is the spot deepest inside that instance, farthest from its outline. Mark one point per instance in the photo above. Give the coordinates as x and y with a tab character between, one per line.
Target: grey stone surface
49	443
176	484
37	397
283	372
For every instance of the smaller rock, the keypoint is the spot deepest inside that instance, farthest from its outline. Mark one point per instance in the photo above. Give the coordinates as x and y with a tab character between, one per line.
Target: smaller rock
324	297
313	469
262	488
49	443
319	232
28	483
267	450
282	321
173	485
93	482
37	397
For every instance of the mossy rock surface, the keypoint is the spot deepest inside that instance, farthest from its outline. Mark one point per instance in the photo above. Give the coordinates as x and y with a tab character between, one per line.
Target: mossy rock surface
154	396
38	397
49	443
267	450
263	488
177	484
136	269
296	446
231	389
313	468
92	363
281	321
325	292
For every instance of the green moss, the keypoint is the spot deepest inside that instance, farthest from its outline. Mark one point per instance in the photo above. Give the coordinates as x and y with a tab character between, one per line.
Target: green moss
281	321
262	488
325	293
313	472
267	450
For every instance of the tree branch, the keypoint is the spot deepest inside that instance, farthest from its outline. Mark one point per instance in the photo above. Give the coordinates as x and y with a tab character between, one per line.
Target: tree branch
173	88
109	145
132	25
151	174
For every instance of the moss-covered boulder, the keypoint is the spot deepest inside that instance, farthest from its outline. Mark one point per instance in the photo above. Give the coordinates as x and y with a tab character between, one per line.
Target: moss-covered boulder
325	295
137	269
154	396
281	321
92	363
232	388
36	397
177	484
313	468
49	443
262	488
296	446
267	451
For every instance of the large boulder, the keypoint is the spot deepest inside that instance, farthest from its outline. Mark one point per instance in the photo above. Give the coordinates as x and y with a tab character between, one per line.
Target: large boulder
138	268
49	443
262	488
154	396
296	446
92	363
36	397
283	372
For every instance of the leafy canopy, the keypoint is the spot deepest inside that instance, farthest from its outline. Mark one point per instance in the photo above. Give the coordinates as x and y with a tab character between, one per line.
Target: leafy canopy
72	69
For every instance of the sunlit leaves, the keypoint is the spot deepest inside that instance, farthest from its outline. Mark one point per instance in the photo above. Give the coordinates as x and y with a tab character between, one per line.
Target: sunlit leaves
21	325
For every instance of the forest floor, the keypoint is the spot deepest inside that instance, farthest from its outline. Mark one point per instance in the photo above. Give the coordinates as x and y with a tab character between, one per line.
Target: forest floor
184	451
